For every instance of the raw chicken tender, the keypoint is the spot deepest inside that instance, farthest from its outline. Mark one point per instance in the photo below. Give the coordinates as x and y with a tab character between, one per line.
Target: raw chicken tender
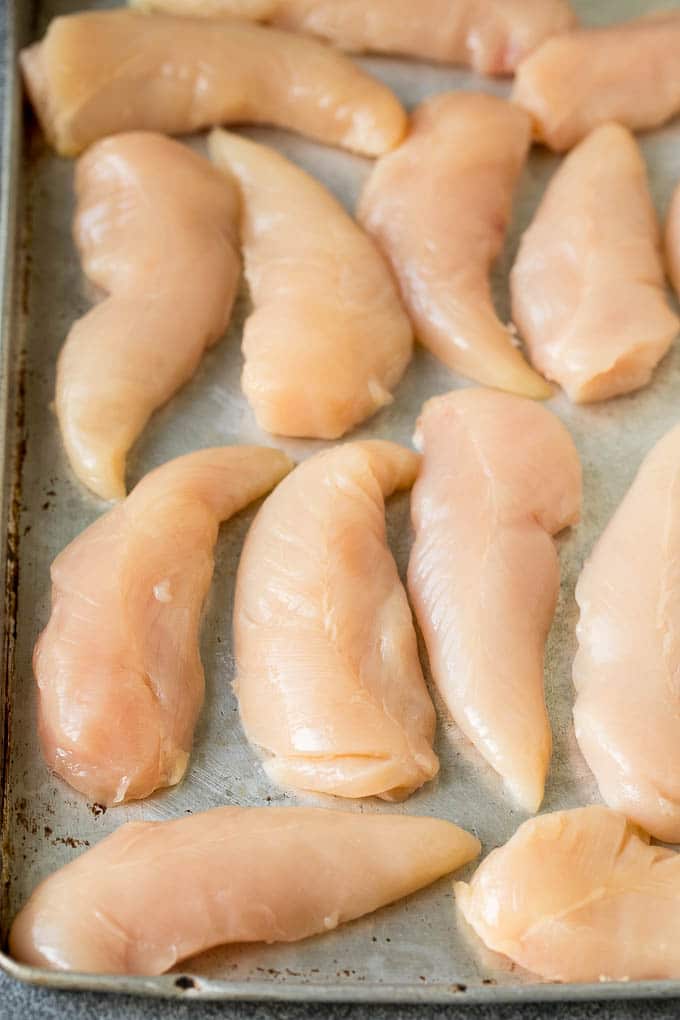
491	36
439	207
328	339
628	72
155	893
254	10
500	477
579	896
588	286
627	711
100	72
672	239
120	681
157	228
329	680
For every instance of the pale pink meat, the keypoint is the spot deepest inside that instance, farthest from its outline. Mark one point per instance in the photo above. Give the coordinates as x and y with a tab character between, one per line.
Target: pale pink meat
329	681
155	893
588	287
97	73
438	206
672	240
500	477
120	681
491	36
627	711
627	72
328	339
157	229
579	896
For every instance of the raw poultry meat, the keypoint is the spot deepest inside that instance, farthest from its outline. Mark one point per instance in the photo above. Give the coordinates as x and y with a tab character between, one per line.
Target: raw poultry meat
491	36
626	72
672	239
328	677
627	711
579	896
500	477
155	893
120	681
100	72
157	229
588	287
253	10
438	207
328	339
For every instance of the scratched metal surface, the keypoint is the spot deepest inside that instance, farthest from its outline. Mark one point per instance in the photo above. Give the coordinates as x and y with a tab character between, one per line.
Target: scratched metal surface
416	950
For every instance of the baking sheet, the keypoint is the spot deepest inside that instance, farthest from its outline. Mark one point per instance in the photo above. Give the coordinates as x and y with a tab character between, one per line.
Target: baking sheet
417	950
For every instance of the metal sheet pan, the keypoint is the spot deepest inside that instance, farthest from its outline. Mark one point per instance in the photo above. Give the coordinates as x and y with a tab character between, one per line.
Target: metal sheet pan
415	951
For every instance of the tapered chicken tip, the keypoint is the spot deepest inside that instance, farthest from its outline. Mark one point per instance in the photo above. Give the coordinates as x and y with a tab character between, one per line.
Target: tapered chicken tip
500	477
120	682
438	206
156	228
98	73
328	340
579	896
329	681
588	286
394	467
246	875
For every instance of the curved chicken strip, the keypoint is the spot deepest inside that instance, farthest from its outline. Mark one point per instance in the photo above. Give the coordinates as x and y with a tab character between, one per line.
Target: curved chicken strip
579	896
672	240
245	875
588	286
101	72
329	680
500	477
119	676
156	227
439	207
627	72
627	711
491	36
328	339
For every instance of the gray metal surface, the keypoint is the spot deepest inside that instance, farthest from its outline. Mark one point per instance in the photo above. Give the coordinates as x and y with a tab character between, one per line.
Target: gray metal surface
30	1003
415	951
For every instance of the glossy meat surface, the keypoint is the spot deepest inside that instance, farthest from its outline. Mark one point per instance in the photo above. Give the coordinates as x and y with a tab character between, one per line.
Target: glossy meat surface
120	681
438	207
329	680
101	72
328	339
232	874
588	287
626	72
491	36
157	230
500	477
627	711
579	896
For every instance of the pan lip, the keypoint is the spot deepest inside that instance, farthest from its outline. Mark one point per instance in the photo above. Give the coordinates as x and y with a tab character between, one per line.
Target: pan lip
11	395
185	985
